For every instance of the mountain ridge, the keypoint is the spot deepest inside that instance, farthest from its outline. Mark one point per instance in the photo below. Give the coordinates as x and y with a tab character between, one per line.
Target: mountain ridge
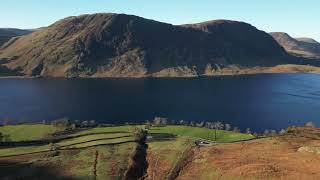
7	33
119	45
301	47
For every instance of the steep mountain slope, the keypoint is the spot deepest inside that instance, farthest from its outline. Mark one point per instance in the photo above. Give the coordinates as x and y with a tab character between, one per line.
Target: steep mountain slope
118	45
7	33
304	47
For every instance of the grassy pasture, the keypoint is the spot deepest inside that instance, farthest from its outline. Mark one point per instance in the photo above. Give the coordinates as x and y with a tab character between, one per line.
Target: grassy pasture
82	139
204	133
26	132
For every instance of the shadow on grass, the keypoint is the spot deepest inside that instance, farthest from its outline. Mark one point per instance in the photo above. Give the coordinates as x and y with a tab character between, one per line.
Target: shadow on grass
47	141
48	151
100	139
16	170
161	137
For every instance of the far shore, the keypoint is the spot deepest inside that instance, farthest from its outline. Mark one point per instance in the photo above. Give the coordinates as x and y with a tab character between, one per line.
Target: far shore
228	71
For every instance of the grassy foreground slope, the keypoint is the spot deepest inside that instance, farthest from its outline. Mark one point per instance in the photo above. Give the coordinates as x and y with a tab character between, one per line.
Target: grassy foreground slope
203	133
102	162
97	153
103	152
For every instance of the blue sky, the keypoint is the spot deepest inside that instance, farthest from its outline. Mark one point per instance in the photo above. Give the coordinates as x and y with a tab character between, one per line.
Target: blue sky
297	17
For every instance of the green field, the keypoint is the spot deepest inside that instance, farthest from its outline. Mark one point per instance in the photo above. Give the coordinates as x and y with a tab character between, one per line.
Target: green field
82	139
203	133
100	153
26	132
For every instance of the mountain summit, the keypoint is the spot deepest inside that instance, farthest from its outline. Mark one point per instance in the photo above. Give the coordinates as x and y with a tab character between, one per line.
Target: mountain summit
119	45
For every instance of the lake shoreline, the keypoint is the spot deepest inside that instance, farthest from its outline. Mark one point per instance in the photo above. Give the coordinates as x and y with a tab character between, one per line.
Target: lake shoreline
280	69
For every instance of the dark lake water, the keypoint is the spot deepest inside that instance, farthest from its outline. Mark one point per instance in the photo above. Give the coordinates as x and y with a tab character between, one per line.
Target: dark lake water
260	102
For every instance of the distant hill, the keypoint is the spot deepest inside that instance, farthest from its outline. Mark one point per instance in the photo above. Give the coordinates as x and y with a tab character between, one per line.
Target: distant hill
119	45
7	33
303	47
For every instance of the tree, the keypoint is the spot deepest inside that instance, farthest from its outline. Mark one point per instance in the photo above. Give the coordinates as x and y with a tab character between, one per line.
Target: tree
227	127
157	121
147	125
201	124
217	126
73	126
248	131
164	121
282	132
273	132
92	123
236	129
209	125
85	124
61	124
310	124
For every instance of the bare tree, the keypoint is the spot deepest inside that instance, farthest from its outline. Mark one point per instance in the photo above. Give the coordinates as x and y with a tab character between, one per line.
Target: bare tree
273	132
310	124
217	126
61	124
147	125
164	121
201	124
282	132
208	125
92	123
227	127
248	131
157	121
236	129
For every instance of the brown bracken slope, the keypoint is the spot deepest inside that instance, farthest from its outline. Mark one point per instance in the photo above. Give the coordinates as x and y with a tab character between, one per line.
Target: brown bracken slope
293	156
119	45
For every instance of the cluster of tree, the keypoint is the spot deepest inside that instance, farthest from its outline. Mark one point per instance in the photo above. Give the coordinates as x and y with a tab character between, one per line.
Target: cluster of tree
217	126
160	121
65	124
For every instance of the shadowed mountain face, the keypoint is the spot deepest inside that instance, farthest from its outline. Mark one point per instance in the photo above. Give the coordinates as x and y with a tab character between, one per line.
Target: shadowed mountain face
304	47
6	34
118	45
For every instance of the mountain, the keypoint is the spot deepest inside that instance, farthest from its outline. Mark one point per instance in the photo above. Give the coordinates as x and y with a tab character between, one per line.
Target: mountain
119	45
7	33
303	47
